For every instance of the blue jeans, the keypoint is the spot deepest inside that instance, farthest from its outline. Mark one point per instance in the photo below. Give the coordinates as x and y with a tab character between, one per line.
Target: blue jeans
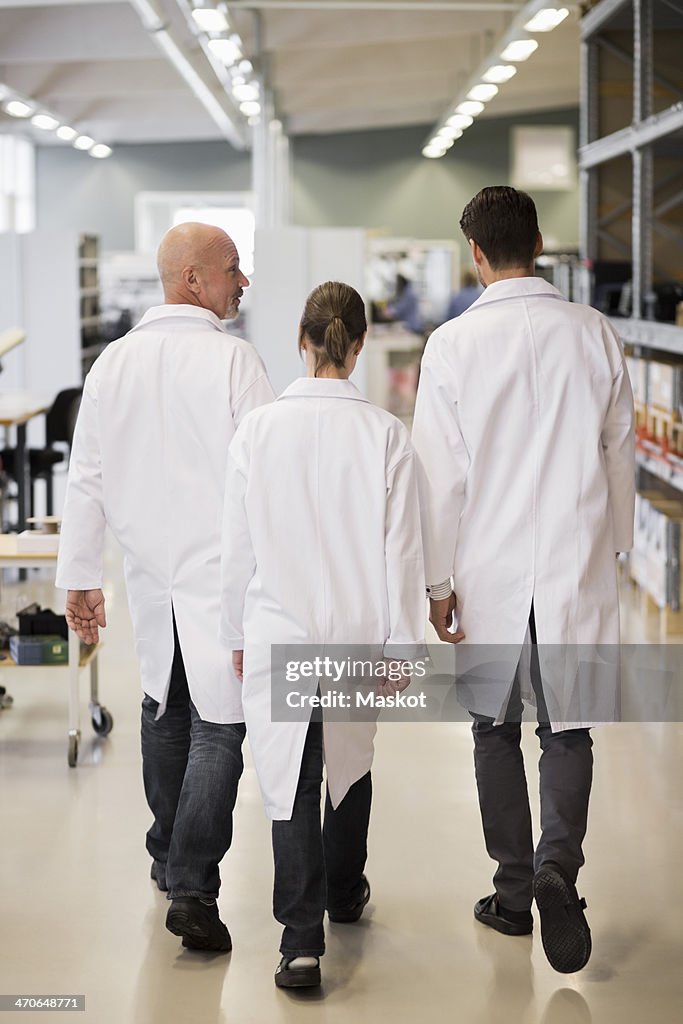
317	868
565	778
191	770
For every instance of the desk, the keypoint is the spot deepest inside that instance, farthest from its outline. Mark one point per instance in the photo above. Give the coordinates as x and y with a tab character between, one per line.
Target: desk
102	720
16	409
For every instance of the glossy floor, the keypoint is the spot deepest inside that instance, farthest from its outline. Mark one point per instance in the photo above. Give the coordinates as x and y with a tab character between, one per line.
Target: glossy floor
79	913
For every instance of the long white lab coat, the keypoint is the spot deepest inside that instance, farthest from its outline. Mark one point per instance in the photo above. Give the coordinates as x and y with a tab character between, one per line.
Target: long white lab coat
524	430
321	545
160	407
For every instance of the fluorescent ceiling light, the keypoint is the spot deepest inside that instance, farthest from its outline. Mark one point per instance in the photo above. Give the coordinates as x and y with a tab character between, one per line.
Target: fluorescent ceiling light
210	20
460	121
250	108
483	93
84	142
245	67
66	134
500	73
469	107
226	50
45	121
100	151
519	49
245	92
547	19
17	108
433	154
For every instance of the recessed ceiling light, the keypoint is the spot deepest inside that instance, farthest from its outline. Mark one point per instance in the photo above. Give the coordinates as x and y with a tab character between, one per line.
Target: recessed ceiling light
460	121
433	154
100	151
500	73
84	142
469	107
519	49
483	93
17	108
250	108
45	121
225	50
210	20
547	19
246	91
449	132
246	67
66	134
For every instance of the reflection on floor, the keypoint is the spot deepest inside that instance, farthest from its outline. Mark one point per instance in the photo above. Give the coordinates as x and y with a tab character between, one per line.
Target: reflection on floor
80	914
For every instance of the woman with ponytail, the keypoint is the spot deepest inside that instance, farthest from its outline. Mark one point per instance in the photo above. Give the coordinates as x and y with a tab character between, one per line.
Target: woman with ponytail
321	547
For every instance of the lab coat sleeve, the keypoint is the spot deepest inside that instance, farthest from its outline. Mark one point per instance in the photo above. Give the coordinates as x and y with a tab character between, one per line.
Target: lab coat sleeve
618	443
404	561
238	562
254	389
443	464
79	564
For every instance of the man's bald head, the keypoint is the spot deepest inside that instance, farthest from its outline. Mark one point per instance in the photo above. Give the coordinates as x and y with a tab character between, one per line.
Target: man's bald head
199	266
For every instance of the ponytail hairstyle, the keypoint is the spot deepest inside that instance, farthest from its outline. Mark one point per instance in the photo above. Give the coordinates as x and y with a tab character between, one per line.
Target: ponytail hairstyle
333	321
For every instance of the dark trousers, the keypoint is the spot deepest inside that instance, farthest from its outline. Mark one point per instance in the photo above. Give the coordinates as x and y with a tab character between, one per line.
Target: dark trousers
317	868
565	777
191	770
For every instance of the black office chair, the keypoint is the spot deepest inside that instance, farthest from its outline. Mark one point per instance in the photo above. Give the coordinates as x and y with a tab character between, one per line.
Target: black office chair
60	421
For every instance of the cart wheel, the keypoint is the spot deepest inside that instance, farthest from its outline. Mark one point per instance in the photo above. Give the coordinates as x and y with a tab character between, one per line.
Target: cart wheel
72	755
103	724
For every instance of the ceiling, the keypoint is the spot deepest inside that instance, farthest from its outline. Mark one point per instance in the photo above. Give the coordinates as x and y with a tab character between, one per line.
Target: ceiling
94	65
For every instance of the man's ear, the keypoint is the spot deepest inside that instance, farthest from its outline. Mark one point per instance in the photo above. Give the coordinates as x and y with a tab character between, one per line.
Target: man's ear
539	245
190	279
477	254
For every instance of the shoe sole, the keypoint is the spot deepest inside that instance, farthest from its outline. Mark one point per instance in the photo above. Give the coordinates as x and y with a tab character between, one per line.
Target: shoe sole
302	977
502	926
194	935
352	915
564	929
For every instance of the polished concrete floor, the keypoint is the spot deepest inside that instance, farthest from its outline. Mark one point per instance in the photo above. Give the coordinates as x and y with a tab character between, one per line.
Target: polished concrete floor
79	914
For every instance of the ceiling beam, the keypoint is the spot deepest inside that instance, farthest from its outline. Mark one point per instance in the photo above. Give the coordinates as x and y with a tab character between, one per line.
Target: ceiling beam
419	6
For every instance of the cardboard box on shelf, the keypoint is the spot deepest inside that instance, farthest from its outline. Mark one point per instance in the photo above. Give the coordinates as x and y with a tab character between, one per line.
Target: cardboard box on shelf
665	385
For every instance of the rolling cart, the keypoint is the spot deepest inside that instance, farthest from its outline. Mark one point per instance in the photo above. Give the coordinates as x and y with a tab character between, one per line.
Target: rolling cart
101	719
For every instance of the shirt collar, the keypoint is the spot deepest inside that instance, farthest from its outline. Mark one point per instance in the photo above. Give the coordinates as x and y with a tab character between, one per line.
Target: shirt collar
322	387
514	287
172	310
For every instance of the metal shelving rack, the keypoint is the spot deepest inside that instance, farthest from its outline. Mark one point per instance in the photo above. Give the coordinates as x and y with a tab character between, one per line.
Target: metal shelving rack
604	36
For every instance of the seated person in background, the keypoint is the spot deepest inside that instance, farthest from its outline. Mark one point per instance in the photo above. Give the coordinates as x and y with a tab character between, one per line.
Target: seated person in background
405	306
462	300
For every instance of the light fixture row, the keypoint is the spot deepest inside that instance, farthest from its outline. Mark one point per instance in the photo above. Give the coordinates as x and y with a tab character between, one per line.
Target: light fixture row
514	52
25	109
227	47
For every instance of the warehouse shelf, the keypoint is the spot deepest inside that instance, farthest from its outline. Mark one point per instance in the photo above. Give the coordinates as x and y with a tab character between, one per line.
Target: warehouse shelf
628	140
663	465
650	334
600	15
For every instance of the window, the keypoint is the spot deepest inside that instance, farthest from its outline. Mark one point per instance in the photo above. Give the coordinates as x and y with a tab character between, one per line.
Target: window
17	184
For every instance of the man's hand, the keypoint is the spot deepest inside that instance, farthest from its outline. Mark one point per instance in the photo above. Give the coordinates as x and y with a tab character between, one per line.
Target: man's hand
388	687
238	664
84	613
441	616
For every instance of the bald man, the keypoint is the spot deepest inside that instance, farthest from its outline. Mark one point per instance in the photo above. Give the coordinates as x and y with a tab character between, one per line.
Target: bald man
159	409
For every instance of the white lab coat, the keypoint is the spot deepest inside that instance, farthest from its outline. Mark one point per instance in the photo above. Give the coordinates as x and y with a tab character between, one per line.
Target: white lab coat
525	433
321	545
160	407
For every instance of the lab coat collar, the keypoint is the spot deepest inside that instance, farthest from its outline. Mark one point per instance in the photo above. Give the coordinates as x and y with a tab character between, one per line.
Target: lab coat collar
515	287
179	309
322	387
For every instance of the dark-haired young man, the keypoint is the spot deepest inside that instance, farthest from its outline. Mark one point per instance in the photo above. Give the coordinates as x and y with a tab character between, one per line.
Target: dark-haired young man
524	428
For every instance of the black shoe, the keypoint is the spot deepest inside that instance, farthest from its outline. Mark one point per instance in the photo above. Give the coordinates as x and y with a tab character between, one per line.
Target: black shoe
564	929
158	874
347	915
510	922
296	977
199	924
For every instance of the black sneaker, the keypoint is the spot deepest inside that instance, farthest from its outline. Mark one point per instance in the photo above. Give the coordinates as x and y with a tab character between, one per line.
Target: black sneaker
564	928
347	915
199	924
488	911
158	874
287	976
